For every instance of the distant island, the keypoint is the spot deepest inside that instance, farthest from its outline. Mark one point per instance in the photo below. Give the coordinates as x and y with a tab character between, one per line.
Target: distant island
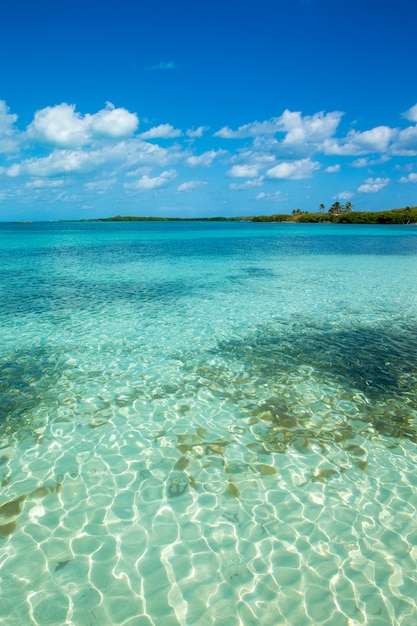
337	214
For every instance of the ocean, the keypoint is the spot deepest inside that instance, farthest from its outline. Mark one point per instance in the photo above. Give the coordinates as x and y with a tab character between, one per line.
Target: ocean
207	423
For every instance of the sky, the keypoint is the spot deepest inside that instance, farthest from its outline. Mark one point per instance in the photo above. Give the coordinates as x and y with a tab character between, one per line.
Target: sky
203	109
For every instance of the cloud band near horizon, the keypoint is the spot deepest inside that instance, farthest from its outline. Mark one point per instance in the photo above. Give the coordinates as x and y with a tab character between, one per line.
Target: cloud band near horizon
74	151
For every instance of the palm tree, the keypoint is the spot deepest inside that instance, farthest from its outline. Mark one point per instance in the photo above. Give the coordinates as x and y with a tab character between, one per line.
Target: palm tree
322	207
335	208
348	207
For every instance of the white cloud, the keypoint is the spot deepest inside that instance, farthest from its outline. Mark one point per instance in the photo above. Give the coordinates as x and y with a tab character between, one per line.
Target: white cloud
145	183
344	195
254	157
369	141
163	131
101	186
8	139
366	162
374	140
411	114
125	154
243	171
135	151
269	127
314	128
273	197
362	162
112	123
59	125
40	183
306	135
297	129
58	162
406	142
293	170
93	153
190	185
411	178
205	159
139	171
197	132
372	185
62	127
247	184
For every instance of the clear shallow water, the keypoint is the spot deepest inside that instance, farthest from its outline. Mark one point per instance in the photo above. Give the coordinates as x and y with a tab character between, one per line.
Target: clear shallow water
208	423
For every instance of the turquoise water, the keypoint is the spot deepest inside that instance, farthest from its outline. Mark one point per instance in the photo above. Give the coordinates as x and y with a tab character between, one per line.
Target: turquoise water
208	423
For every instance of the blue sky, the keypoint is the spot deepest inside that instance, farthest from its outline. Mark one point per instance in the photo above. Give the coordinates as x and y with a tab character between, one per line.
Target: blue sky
200	109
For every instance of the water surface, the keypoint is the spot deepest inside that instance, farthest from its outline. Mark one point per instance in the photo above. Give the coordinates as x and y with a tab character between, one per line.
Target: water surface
208	423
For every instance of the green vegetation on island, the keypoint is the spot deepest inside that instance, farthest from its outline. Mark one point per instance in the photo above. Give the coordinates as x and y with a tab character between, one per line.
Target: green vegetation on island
336	214
343	214
133	218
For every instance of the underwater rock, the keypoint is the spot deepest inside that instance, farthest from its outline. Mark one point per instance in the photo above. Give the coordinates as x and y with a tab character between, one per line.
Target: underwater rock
177	485
13	507
266	470
7	529
182	463
233	490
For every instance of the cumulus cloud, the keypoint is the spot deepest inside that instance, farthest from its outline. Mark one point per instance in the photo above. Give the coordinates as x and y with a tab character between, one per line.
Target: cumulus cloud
298	135
135	151
243	171
190	185
344	195
63	127
41	183
100	186
312	128
205	159
127	155
112	123
273	197
146	183
197	132
366	162
293	170
362	162
269	127
254	157
411	178
163	131
369	141
297	129
372	185
96	151
58	162
8	135
406	142
247	184
411	114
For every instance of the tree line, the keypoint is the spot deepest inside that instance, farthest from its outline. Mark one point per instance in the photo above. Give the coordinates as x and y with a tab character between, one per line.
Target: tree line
336	214
339	214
